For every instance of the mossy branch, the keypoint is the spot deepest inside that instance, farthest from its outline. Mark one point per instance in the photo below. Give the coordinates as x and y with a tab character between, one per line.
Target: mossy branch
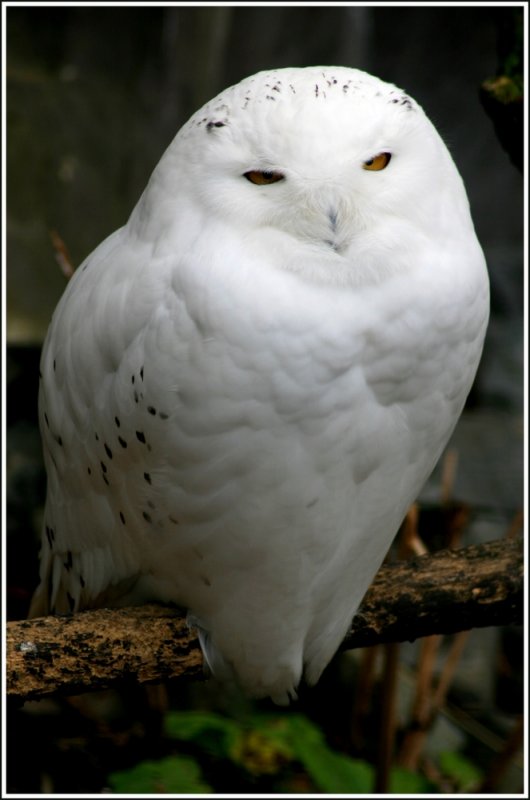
448	591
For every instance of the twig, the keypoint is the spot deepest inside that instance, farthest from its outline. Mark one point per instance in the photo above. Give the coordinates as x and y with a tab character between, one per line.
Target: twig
516	525
363	693
62	256
449	466
410	542
449	669
503	759
387	731
422	709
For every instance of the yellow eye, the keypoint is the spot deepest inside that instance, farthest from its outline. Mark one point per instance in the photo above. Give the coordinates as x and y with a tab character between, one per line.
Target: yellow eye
377	162
261	178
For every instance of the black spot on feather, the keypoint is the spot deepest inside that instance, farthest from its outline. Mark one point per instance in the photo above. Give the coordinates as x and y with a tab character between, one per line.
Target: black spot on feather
49	536
211	125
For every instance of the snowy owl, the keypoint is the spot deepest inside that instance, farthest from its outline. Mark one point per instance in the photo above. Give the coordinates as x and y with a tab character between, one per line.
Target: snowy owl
245	387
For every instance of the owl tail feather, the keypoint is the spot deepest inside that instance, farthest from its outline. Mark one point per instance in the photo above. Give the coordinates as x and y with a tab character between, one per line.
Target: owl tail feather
39	606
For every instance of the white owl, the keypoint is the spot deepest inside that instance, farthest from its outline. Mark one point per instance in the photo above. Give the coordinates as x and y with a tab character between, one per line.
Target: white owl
245	387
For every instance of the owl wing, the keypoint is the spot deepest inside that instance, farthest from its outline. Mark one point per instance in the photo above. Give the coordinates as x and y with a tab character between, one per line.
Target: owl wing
99	422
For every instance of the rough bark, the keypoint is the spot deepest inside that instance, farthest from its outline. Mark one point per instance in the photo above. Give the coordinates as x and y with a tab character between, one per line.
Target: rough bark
446	592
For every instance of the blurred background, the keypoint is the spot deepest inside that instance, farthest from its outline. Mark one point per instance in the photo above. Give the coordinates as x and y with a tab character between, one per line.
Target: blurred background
94	96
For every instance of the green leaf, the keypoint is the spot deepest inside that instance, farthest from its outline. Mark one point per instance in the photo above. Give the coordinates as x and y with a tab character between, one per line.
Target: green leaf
174	774
332	773
456	766
267	742
260	752
215	734
260	747
402	781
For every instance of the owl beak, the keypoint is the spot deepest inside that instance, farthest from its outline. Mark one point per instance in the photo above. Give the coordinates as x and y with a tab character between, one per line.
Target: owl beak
334	241
332	216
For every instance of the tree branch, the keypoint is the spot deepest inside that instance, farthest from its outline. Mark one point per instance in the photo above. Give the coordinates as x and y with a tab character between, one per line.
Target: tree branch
446	592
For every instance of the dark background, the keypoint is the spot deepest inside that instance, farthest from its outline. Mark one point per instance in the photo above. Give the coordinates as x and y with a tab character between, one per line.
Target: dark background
95	95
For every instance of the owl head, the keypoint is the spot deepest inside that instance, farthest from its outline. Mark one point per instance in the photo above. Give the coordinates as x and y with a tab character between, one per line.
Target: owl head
335	170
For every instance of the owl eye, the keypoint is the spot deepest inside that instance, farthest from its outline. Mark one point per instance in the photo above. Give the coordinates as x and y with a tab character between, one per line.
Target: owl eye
378	162
263	177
